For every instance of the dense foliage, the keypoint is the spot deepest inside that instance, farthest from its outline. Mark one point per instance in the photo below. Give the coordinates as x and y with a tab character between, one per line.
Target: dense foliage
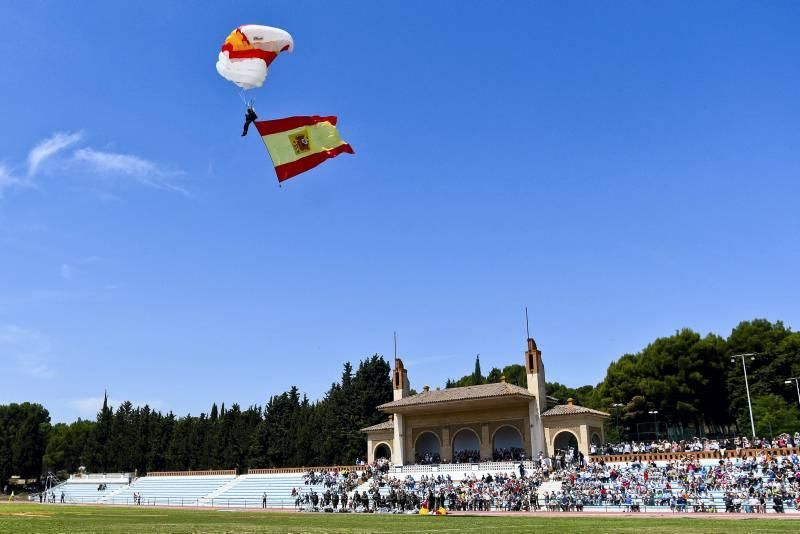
23	435
289	431
692	383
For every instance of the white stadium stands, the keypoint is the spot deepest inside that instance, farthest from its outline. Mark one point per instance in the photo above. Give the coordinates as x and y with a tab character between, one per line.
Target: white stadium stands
249	490
83	492
612	486
172	490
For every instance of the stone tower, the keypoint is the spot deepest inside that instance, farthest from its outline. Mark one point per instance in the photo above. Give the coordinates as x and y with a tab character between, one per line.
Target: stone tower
401	389
400	385
534	369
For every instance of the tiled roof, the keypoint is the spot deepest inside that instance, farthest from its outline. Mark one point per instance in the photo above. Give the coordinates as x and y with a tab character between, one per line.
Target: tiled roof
386	425
571	409
500	389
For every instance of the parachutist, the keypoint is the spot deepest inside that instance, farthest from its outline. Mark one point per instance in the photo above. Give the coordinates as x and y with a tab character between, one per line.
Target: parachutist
249	117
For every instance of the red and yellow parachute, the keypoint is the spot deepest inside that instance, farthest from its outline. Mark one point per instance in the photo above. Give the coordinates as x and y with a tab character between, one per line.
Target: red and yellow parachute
248	51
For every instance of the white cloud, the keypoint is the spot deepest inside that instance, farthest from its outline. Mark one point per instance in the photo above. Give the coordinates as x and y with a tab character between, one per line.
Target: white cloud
88	407
113	162
87	159
9	181
27	349
144	171
49	148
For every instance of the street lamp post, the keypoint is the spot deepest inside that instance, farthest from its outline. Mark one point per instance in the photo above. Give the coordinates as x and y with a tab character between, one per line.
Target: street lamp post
796	381
752	356
655	421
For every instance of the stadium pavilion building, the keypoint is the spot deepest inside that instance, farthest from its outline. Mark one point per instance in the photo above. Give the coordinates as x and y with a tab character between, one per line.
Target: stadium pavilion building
485	418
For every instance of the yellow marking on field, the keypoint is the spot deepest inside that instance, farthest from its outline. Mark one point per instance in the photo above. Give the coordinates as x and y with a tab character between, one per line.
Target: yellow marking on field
97	514
26	514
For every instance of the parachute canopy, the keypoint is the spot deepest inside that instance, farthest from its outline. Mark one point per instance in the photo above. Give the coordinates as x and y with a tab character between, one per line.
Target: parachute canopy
248	51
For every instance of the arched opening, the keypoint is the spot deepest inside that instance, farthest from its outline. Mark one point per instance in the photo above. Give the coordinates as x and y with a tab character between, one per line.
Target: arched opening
466	446
383	451
427	449
507	444
594	443
565	447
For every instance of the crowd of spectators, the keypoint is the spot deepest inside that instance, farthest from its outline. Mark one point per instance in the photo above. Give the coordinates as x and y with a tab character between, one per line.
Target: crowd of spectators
328	479
339	488
468	456
508	454
696	445
429	458
732	485
752	484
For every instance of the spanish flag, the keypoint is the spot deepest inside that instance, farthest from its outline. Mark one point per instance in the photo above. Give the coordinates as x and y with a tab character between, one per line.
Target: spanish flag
297	144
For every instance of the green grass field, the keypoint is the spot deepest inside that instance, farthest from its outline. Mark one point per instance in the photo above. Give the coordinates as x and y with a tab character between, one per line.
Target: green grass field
24	518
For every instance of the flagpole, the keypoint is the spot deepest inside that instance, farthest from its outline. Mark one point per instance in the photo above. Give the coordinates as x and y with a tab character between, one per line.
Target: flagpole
527	327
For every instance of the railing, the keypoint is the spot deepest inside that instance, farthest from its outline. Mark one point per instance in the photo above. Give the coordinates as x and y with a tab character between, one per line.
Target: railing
100	476
304	470
691	455
212	472
655	456
466	467
744	453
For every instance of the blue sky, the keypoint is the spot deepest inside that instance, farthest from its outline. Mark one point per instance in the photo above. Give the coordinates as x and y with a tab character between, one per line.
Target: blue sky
624	169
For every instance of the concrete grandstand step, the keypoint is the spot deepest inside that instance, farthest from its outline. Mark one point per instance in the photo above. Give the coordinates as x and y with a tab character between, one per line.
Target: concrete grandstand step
208	499
248	489
110	495
550	486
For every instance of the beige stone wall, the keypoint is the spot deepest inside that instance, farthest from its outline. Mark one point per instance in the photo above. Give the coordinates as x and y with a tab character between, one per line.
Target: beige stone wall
484	423
581	425
598	431
376	438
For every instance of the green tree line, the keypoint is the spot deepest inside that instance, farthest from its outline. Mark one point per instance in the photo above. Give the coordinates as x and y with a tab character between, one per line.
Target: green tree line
687	377
289	430
692	383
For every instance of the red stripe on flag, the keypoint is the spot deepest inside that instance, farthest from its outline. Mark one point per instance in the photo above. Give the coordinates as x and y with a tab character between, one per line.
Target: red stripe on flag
288	170
290	123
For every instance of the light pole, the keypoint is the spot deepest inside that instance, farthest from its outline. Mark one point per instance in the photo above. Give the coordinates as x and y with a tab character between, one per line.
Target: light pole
752	356
796	381
655	422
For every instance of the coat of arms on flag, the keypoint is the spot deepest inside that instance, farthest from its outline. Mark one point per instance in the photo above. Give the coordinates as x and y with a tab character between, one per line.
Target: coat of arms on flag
300	142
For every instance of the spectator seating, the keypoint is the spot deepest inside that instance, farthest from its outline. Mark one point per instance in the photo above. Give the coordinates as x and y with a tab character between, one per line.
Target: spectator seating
248	490
684	482
80	491
171	490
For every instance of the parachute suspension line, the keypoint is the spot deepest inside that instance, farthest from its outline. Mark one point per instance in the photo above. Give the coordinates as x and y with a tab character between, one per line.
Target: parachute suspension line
249	103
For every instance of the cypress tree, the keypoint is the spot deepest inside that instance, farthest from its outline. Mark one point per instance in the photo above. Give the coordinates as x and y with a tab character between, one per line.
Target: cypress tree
477	377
